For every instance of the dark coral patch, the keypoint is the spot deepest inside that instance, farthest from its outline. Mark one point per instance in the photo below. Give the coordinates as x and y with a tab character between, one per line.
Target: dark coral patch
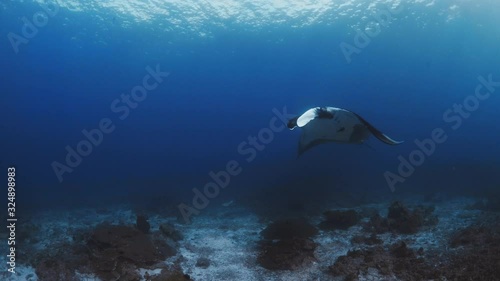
286	244
339	219
401	219
289	228
286	254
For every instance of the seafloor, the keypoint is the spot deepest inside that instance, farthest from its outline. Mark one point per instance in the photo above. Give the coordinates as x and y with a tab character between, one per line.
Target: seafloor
456	239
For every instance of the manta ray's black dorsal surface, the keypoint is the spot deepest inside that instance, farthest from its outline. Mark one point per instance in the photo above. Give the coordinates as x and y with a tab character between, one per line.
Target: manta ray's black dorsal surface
330	124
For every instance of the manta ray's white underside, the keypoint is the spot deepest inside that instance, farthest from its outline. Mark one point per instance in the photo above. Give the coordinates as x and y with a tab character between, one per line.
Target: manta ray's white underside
331	124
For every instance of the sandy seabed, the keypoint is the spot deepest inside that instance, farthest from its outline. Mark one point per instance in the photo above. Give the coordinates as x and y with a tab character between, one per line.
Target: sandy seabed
227	238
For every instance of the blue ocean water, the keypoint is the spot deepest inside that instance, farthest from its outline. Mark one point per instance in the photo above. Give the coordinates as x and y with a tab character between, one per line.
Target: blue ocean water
223	69
230	64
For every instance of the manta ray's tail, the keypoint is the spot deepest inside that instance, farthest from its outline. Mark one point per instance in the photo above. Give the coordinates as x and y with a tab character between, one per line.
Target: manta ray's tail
378	134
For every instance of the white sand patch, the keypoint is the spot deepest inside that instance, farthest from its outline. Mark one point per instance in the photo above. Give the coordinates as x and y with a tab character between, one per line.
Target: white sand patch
228	244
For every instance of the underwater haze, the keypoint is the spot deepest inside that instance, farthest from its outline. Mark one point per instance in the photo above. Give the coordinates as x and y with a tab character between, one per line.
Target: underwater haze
173	115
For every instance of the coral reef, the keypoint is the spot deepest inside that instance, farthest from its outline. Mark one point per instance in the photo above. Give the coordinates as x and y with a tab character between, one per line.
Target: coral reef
142	224
471	236
169	231
55	269
478	253
60	261
398	260
377	225
288	254
358	261
223	247
113	242
402	220
368	240
25	234
286	244
289	228
474	255
112	252
339	219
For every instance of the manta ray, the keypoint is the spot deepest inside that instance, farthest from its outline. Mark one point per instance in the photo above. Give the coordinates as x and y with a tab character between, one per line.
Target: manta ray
330	124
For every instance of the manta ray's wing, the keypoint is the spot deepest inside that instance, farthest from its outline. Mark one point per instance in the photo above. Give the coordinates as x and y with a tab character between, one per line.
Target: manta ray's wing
378	134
